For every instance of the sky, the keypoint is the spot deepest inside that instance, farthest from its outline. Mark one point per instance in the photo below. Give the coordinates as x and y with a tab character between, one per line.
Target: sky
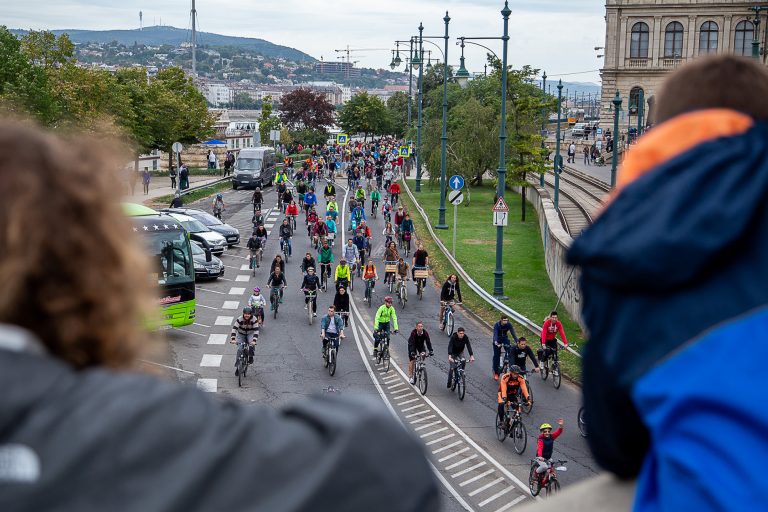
558	36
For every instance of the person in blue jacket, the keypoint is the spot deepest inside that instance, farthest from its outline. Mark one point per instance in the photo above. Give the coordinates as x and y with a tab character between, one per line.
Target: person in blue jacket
673	284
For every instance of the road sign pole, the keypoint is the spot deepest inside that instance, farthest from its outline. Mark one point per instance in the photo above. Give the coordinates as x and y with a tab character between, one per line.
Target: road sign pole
455	210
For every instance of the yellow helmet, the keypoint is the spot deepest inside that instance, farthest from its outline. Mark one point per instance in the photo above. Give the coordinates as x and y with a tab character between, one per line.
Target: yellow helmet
545	426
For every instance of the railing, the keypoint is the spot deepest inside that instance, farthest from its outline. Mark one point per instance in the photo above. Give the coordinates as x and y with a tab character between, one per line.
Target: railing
490	299
671	63
637	63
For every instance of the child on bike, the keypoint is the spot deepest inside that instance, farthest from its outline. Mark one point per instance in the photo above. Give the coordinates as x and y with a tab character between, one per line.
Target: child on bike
545	446
257	302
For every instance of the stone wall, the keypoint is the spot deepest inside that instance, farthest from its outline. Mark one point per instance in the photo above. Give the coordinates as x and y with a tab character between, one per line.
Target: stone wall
197	156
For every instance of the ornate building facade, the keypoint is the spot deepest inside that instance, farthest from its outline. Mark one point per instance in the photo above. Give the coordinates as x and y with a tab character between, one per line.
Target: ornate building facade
646	39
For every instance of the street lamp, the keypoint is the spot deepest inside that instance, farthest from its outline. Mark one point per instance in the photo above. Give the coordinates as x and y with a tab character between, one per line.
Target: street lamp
462	75
558	156
444	137
393	65
755	31
397	60
416	64
544	119
616	108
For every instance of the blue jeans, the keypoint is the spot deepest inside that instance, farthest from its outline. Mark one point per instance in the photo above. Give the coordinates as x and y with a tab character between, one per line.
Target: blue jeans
290	247
497	354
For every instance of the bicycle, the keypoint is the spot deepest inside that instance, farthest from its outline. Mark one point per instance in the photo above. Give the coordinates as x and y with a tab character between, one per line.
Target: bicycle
448	322
459	378
284	247
254	261
390	270
420	372
330	351
406	241
512	426
527	406
274	299
325	271
217	213
292	221
369	291
402	292
383	356
242	361
555	369
548	480
582	422
420	275
312	296
374	208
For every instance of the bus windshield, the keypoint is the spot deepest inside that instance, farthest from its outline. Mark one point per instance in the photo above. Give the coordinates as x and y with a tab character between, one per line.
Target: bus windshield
248	164
173	263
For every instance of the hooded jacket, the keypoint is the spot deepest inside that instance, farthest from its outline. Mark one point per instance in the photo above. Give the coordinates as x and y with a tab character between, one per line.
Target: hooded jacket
673	281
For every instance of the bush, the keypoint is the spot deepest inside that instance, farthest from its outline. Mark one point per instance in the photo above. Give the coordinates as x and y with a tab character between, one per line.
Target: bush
308	137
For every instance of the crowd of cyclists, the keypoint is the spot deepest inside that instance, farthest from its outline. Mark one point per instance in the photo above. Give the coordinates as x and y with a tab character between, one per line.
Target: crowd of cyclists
372	171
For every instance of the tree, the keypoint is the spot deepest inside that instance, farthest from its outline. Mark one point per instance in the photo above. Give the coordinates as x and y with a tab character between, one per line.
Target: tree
243	100
397	111
267	122
304	108
45	49
364	114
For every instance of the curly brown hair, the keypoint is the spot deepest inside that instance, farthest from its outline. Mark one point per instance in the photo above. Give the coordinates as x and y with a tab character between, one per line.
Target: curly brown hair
71	268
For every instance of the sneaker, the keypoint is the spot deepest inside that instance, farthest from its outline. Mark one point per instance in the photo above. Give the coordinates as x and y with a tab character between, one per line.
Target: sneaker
412	380
449	384
305	306
237	372
250	360
314	314
495	376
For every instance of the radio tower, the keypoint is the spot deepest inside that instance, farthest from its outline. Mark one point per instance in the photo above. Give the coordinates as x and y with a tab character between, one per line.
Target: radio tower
194	39
141	20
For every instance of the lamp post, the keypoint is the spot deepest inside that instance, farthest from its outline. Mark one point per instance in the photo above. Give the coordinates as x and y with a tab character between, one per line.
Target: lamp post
416	62
616	108
755	31
544	117
444	137
462	75
558	156
640	112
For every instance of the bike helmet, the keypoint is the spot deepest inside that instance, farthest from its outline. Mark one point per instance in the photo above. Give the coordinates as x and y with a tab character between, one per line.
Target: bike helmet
310	268
388	300
545	426
257	290
515	369
219	196
247	311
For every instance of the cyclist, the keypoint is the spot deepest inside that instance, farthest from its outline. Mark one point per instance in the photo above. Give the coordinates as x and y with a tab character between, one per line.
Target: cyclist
351	253
399	218
549	331
520	352
420	258
329	192
292	210
282	177
511	383
360	195
375	199
402	271
277	280
277	263
406	229
358	215
418	342
390	255
310	283
341	303
331	328
286	233
448	293
394	190
312	219
257	219
218	205
545	445
257	199
360	242
370	274
501	331
301	190
342	274
389	234
459	340
384	315
332	211
386	209
280	190
287	198
325	258
245	332
310	199
257	302
319	233
254	245
261	232
307	262
330	223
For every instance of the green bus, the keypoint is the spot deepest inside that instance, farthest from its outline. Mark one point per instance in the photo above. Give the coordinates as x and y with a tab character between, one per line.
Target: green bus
169	247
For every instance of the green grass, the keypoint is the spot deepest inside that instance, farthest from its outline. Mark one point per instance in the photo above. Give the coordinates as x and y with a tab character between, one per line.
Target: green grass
194	195
526	282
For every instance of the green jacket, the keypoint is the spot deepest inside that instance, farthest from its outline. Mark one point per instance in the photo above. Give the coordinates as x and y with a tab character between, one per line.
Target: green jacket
375	195
325	255
384	315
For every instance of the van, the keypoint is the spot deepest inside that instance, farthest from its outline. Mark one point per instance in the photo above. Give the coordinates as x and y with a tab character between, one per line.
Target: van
254	167
579	130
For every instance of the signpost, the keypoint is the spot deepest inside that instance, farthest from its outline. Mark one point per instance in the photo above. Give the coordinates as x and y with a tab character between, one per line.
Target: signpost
342	139
405	151
455	197
177	148
500	213
456	182
274	136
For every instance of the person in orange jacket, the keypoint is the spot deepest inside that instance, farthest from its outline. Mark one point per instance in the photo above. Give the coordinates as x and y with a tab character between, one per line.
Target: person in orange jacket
509	384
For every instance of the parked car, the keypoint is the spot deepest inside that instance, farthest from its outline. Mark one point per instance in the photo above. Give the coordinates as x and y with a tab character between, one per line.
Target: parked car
207	266
579	130
201	234
254	167
231	234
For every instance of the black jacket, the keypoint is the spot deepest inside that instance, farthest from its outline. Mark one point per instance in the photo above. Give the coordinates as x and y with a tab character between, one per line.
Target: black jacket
306	263
417	343
286	231
450	292
123	441
275	280
456	346
273	265
310	282
341	302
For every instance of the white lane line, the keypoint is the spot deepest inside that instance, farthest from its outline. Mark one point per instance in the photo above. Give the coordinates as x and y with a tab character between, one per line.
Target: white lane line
435	452
230	304
476	478
243	267
202	325
398	397
425	418
166	366
508	505
207	385
467	470
422	427
413	407
454	454
418	413
224	320
464	461
497	495
224	279
407	402
242	279
270	225
217	339
489	485
190	332
439	439
394	386
211	360
210	291
204	306
236	291
390	380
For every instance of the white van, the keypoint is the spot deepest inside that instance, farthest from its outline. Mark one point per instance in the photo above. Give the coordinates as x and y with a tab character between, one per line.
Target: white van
579	130
254	167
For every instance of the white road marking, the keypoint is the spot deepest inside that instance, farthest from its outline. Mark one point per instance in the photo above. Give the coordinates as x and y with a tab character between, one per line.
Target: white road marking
224	320
425	418
508	505
418	413
236	291
270	225
190	332
467	470
243	267
225	279
422	427
413	407
210	291
435	452
230	304
464	461
211	360
202	325
403	395
407	402
207	385
489	485
242	279
217	339
439	439
454	454
476	478
394	386
203	306
166	366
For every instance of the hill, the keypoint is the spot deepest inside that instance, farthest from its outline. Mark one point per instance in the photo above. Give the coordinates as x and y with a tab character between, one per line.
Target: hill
164	35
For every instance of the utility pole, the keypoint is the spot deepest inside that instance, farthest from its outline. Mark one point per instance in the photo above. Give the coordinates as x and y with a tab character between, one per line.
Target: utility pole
194	39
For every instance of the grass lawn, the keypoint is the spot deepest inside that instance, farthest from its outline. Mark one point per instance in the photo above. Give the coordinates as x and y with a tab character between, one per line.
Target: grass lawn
526	282
194	195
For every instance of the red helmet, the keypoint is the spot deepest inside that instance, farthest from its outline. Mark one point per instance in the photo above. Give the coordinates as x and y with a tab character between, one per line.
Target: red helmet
388	300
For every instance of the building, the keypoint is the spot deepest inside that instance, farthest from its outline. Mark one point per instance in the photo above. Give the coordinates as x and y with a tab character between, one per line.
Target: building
217	94
345	69
646	39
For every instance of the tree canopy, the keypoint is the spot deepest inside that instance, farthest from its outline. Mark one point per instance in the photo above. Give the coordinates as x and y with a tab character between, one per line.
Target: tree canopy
306	109
365	114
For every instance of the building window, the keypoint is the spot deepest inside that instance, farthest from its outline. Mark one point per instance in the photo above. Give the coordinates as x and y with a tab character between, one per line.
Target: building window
708	38
638	48
742	44
634	99
673	41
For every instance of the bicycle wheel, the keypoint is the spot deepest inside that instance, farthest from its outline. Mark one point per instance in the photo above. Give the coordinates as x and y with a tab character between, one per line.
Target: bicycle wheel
325	356
553	486
501	431
332	362
239	373
462	385
276	305
351	281
533	481
556	377
422	380
544	371
528	408
385	359
420	289
309	312
582	423
519	436
449	325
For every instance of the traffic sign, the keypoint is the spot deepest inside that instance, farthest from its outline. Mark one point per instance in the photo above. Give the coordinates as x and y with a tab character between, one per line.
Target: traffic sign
274	135
599	131
342	139
501	206
456	197
177	147
500	218
456	182
405	151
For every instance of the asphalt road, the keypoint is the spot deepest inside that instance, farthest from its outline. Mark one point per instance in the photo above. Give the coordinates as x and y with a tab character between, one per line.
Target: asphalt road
477	471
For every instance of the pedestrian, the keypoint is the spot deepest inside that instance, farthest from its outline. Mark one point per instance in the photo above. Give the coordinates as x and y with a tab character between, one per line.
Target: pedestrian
183	177
572	153
177	202
698	181
211	159
172	175
585	151
228	163
146	177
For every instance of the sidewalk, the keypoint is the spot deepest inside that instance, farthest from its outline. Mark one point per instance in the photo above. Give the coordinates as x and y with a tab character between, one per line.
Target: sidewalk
162	187
602	173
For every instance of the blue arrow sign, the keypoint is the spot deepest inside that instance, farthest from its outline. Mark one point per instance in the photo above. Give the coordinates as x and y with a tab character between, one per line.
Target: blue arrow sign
456	182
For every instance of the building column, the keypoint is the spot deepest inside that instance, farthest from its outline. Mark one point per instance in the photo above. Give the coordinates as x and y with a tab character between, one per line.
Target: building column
726	44
691	37
656	44
623	37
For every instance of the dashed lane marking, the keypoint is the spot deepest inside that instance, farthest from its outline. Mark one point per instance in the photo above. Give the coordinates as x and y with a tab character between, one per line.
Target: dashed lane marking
507	506
407	402
422	427
242	279
217	339
190	332
230	304
454	454
236	291
207	385
430	434
440	439
243	267
413	407
202	325
224	320
425	418
419	413
463	461
488	486
211	360
210	291
204	306
476	478
448	447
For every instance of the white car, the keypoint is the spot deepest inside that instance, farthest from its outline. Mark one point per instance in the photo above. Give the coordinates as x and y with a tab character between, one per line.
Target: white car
579	130
201	234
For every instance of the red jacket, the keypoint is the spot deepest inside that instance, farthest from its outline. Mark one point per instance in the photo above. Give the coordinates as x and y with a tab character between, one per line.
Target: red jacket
292	210
394	188
549	332
544	445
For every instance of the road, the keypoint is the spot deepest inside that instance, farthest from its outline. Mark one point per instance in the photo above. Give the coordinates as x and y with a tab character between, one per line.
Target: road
477	471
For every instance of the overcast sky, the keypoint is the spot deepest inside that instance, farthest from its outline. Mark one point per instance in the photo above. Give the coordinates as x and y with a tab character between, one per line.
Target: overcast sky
558	36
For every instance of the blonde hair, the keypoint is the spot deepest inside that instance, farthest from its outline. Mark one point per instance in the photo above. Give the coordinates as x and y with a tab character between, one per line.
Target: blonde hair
71	267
